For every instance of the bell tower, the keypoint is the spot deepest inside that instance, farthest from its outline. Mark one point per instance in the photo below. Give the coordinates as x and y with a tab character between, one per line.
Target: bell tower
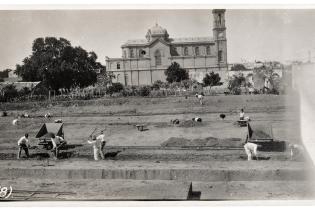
219	35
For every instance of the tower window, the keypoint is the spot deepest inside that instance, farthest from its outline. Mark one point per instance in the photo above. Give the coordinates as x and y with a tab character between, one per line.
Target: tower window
118	65
186	51
208	52
158	60
220	55
197	51
125	54
131	53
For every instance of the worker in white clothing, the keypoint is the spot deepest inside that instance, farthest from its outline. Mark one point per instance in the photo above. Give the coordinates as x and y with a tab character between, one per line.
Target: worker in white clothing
296	150
56	141
200	98
251	150
15	121
23	143
101	138
96	148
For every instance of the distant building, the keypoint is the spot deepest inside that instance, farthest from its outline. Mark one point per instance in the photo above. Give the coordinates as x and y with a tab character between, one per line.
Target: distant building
144	61
256	73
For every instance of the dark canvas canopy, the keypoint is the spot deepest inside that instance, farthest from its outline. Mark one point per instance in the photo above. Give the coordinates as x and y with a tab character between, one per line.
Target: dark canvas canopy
49	128
260	132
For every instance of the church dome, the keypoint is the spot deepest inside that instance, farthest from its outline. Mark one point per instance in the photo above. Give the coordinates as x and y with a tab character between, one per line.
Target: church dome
156	32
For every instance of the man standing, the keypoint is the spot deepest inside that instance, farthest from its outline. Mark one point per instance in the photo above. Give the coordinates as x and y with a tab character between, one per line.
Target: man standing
101	138
96	148
23	144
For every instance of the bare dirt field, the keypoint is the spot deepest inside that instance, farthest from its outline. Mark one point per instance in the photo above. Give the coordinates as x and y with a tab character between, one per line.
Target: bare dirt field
213	139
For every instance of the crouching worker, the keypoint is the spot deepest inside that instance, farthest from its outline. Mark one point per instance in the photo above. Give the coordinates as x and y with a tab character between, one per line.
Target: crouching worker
96	148
57	142
200	98
251	150
23	143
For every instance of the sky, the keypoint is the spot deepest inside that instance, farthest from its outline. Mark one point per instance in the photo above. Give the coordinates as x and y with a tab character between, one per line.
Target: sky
280	35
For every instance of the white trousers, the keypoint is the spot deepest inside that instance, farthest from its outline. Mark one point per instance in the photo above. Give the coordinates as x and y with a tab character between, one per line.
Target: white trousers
251	150
97	152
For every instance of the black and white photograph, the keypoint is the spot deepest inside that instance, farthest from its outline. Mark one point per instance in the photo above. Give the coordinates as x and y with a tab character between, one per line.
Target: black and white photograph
142	104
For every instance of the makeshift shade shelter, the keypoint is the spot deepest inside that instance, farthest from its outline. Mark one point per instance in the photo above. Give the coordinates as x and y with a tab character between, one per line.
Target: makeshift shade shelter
259	133
48	129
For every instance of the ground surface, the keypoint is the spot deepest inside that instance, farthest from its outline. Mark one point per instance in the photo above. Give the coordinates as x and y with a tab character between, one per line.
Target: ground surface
214	140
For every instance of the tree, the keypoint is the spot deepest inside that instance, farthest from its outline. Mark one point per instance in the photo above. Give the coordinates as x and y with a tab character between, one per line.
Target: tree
235	84
9	92
5	73
174	73
238	67
212	79
59	65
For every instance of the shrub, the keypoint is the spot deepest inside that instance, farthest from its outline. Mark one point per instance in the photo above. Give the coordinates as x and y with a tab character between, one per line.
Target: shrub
24	91
144	90
236	91
157	85
114	88
273	91
41	89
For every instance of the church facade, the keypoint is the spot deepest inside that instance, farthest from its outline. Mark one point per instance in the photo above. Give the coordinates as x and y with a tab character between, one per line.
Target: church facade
144	61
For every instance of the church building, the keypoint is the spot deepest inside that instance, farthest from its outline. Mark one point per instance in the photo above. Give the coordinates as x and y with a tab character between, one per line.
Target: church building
144	61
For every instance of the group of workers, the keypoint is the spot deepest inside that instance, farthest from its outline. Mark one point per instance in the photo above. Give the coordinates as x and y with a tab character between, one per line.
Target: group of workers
23	144
98	143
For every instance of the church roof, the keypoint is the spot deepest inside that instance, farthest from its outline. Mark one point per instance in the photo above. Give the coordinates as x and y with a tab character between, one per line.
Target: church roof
182	40
191	40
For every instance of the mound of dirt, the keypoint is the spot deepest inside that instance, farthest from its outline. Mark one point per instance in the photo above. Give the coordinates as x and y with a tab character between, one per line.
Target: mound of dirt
189	123
183	124
261	134
209	141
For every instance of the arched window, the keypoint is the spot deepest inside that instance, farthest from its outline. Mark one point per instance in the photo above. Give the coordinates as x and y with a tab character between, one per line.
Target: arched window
208	50
186	51
197	51
118	65
157	56
131	53
220	56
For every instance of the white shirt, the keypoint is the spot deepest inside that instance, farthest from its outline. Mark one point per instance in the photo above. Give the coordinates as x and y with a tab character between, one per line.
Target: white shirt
242	114
57	140
95	144
15	121
101	137
23	140
200	96
250	146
